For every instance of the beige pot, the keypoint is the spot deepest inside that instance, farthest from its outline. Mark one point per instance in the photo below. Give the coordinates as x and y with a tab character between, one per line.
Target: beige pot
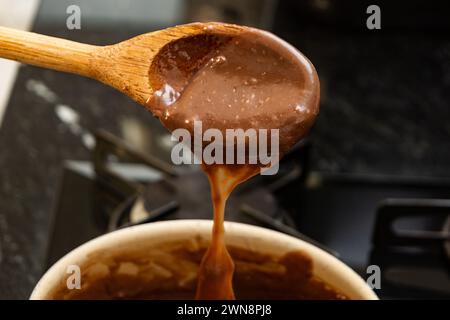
325	266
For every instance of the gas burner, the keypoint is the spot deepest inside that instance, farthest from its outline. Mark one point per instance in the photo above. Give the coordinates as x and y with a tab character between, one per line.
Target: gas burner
185	193
411	245
187	196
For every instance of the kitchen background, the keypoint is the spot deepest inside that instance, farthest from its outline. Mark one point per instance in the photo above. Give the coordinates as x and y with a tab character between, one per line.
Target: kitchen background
383	131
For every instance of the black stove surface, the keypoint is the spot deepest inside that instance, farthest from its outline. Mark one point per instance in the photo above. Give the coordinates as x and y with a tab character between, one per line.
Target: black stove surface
338	211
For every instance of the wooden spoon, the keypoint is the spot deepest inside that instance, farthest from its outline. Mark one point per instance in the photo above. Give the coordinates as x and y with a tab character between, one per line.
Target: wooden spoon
124	66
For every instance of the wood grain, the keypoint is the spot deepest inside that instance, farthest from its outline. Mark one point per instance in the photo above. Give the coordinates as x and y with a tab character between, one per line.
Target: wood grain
124	66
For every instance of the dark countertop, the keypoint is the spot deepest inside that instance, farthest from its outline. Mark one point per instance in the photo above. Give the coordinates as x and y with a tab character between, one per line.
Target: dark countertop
385	102
384	110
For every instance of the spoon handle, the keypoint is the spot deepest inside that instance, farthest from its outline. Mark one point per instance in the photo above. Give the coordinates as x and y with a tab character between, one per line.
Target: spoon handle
45	51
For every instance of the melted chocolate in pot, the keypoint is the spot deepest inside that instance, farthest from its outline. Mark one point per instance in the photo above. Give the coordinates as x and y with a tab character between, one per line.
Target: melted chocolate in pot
246	80
167	270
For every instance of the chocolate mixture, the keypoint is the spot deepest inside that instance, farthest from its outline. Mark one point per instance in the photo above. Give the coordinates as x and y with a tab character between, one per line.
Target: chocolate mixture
247	80
169	271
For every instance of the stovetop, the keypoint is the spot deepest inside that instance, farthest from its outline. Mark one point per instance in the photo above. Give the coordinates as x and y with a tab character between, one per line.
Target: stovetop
402	226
